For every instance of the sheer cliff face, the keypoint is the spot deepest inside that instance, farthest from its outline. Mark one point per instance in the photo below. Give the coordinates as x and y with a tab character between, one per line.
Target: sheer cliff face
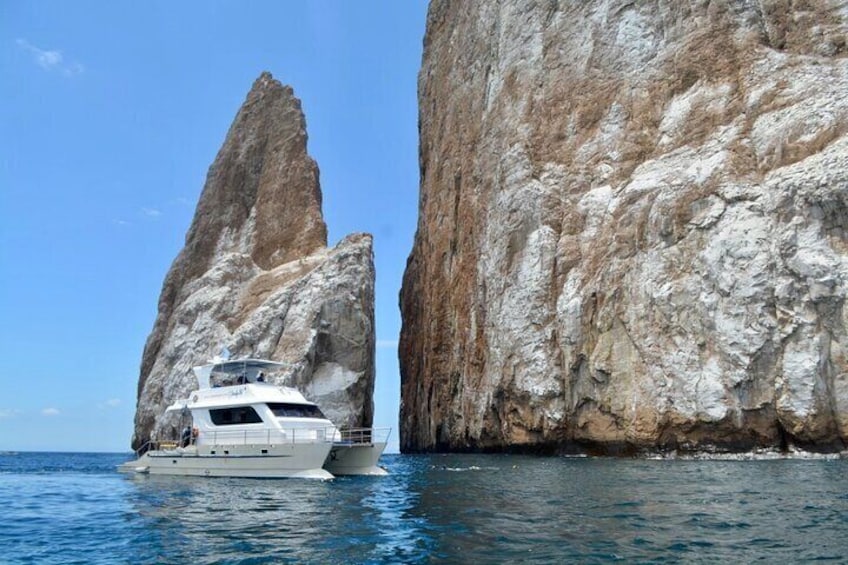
255	275
633	229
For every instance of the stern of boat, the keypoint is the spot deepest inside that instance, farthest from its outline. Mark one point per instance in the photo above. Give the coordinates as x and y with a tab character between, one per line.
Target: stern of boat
357	452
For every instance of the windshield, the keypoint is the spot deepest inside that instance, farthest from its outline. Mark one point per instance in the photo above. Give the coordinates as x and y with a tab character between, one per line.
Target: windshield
288	410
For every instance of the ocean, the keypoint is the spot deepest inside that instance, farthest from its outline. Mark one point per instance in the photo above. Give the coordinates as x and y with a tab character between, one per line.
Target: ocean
74	508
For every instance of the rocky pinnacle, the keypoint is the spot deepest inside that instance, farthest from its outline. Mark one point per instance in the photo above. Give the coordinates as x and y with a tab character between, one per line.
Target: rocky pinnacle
255	274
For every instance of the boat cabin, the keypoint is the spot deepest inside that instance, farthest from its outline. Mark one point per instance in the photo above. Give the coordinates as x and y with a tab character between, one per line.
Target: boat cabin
236	404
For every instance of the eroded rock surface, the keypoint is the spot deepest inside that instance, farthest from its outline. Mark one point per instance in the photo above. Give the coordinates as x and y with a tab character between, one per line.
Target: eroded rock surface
256	276
633	229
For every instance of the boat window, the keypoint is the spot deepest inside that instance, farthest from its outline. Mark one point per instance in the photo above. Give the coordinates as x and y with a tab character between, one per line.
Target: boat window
233	416
288	410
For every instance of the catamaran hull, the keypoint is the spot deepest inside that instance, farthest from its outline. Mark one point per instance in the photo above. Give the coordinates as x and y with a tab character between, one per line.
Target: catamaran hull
355	459
302	461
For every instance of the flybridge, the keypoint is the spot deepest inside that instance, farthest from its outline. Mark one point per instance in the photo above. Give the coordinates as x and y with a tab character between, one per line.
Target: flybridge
242	370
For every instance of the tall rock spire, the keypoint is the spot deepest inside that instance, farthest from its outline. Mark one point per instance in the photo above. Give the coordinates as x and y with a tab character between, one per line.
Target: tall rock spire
255	273
262	194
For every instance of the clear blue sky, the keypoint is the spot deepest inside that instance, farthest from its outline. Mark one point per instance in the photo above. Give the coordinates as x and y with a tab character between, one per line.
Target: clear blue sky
111	114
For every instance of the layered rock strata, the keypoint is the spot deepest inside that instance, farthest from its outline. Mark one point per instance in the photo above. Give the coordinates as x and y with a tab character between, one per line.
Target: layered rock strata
256	276
633	230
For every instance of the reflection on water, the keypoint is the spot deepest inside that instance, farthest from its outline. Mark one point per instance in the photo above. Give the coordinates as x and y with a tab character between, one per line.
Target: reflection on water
461	508
401	536
543	510
350	519
206	521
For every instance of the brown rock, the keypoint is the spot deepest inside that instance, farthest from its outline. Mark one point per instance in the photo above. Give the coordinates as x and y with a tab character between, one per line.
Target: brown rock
632	227
255	275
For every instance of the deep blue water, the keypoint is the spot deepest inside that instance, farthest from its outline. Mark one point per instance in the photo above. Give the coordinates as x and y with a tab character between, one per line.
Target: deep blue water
74	508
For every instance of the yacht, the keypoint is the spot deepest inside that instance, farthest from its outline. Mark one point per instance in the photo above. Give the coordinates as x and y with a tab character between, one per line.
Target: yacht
237	424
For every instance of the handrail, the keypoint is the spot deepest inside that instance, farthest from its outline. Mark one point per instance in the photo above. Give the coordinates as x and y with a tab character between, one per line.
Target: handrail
160	444
357	436
265	436
144	448
322	434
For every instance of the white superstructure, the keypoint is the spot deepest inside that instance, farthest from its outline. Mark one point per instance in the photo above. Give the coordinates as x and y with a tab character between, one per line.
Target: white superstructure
238	425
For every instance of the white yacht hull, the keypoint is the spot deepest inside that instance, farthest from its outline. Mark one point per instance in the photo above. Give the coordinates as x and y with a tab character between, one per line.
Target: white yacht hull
246	461
355	459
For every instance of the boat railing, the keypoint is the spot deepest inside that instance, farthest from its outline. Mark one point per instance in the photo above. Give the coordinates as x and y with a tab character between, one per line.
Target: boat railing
265	436
157	445
350	436
144	448
358	436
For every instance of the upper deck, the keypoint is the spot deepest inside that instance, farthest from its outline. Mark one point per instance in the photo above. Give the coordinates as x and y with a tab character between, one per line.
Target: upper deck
242	371
238	383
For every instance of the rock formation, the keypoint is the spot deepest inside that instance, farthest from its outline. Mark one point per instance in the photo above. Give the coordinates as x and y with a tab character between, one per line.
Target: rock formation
633	230
256	275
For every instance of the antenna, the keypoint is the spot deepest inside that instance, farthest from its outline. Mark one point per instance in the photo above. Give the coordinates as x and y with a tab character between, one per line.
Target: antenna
221	357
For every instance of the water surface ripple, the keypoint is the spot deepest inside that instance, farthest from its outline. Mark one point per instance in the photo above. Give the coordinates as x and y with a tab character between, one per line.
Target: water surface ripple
73	508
